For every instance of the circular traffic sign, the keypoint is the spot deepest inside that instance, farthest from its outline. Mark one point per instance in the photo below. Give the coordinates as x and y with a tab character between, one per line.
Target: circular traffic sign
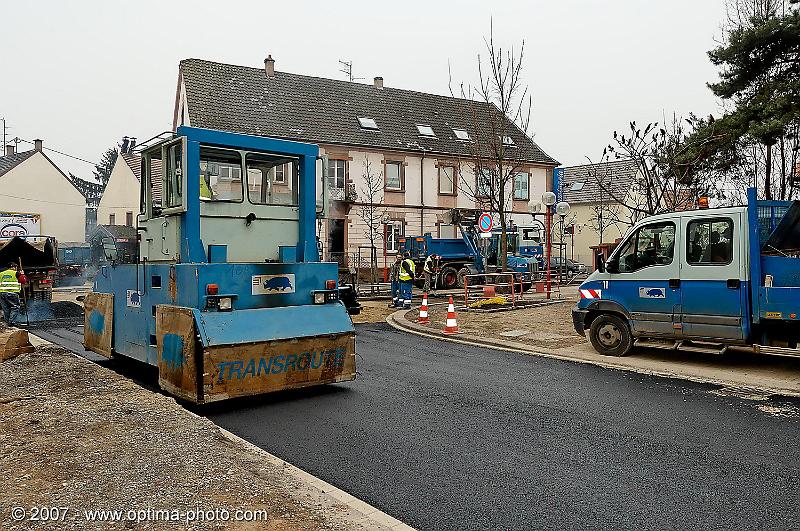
485	222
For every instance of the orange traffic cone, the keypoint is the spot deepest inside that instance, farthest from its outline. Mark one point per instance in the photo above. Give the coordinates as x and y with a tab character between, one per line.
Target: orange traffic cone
423	310
451	327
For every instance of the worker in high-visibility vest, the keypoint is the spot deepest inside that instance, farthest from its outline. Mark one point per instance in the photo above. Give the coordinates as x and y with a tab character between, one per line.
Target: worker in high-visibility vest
407	270
394	278
10	287
429	270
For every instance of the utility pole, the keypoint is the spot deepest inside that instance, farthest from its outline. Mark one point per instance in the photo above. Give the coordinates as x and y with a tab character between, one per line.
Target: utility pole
4	137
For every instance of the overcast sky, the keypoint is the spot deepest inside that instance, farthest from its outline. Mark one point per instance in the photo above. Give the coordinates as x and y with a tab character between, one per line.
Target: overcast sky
82	74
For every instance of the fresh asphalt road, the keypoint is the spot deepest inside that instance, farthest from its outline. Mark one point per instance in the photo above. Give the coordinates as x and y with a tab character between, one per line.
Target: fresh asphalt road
445	436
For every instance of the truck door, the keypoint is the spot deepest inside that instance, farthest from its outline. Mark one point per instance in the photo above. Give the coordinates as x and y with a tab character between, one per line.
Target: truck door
164	181
712	291
643	279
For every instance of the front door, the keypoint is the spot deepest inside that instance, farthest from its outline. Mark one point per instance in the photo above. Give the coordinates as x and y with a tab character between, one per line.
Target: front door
643	279
712	276
163	181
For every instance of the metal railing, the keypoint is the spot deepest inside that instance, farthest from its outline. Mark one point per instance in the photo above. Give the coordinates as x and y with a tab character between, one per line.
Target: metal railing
491	285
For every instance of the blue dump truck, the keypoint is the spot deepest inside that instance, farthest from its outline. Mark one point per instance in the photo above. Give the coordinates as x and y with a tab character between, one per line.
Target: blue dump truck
467	254
228	297
703	280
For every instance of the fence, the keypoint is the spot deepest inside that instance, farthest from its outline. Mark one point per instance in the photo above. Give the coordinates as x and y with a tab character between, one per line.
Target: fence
491	285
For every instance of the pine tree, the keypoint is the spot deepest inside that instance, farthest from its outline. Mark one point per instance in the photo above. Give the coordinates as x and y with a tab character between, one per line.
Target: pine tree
102	171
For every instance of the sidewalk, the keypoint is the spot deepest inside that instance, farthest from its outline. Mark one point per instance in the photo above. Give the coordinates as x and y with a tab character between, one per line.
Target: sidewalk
75	434
547	331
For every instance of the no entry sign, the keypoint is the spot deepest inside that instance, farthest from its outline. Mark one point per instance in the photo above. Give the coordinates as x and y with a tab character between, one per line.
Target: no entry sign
485	222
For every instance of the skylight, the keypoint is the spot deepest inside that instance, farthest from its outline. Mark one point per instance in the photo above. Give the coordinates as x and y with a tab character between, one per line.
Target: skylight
508	141
461	134
367	123
577	186
425	130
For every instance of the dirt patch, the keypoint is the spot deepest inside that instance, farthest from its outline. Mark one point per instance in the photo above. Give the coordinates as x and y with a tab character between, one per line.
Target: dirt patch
74	434
374	311
543	326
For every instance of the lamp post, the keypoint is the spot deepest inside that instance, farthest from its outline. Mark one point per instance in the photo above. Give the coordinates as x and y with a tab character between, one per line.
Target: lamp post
562	209
548	199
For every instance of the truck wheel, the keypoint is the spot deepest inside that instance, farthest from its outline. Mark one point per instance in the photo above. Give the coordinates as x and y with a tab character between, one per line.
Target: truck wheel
448	279
610	335
462	273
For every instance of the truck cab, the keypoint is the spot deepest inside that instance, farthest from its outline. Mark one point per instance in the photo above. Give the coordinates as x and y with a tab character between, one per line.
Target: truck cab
677	276
703	280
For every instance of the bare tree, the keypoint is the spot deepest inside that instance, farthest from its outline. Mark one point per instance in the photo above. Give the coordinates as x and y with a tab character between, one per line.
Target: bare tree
371	211
498	109
667	177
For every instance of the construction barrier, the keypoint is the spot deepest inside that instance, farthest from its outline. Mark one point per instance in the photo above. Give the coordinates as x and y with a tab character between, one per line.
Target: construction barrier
492	285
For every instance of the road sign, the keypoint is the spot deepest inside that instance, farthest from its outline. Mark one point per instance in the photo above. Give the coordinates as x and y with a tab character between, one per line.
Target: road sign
485	222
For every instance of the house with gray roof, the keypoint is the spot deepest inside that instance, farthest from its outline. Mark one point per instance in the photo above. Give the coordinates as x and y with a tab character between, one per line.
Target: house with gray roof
594	192
35	187
416	143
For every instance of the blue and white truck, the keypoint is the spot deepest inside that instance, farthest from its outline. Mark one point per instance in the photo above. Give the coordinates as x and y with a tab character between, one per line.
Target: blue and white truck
467	255
703	280
228	297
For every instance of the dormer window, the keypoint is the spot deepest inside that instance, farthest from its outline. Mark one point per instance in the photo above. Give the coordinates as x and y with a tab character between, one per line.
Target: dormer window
577	186
507	141
425	130
367	123
461	134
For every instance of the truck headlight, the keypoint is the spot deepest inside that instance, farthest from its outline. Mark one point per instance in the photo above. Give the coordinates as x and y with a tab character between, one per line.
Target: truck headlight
319	297
225	304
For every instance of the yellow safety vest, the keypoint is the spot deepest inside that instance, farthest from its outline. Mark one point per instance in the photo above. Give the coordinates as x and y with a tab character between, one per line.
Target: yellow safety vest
428	267
205	191
9	282
407	273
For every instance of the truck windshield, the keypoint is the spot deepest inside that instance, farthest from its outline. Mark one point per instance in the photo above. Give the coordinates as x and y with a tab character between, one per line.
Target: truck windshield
649	245
271	180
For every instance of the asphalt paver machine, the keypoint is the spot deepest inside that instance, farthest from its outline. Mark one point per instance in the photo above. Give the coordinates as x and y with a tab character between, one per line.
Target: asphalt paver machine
229	297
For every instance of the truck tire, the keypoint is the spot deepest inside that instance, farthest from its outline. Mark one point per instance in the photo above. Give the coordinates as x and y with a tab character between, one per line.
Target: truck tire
610	335
448	278
462	273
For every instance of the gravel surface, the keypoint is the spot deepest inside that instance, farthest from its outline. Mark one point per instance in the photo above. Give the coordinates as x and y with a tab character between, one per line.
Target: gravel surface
74	434
448	436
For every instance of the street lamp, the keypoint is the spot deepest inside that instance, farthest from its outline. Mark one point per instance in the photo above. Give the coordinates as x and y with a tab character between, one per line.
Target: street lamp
548	199
562	209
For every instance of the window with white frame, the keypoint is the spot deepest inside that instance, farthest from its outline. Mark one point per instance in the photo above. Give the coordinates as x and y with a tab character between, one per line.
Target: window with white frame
394	231
425	130
447	180
394	175
367	123
337	170
521	183
280	174
461	134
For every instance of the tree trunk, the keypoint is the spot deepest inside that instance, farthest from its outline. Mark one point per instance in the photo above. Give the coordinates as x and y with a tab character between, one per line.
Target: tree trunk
768	174
503	247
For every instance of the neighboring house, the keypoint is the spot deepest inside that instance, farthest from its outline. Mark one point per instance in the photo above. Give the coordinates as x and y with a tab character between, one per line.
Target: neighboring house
592	206
414	141
119	204
31	183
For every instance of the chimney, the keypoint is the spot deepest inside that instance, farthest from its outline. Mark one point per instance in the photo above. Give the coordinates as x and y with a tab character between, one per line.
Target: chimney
9	150
378	82
269	66
37	144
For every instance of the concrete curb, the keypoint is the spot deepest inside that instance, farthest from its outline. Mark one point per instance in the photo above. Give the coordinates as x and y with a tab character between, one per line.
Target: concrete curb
359	513
398	321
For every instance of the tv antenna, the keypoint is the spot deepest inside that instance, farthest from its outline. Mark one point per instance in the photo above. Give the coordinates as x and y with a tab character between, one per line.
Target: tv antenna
347	69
